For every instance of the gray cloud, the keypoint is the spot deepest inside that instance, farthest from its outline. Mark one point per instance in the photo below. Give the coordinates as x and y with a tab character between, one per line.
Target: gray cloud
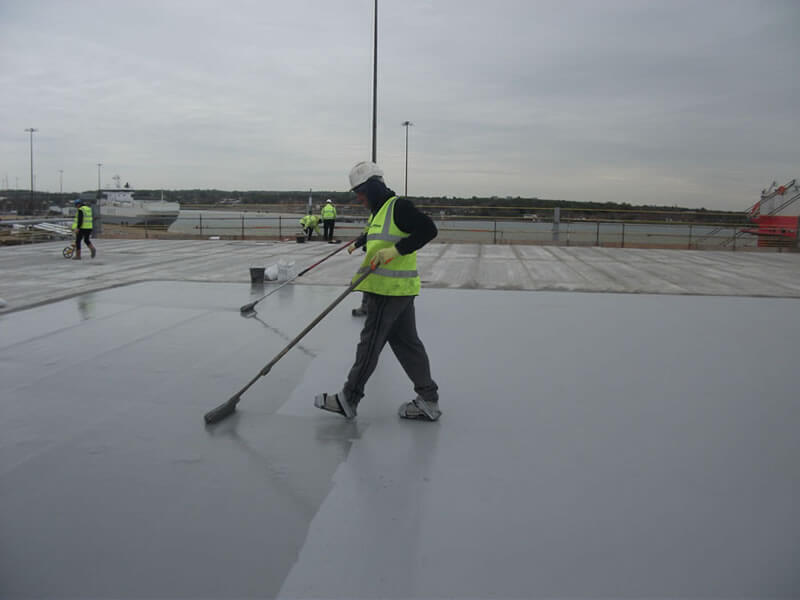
688	103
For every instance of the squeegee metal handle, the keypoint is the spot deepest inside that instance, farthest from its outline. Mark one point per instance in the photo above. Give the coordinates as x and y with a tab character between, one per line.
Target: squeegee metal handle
268	367
251	306
307	269
227	408
267	295
313	323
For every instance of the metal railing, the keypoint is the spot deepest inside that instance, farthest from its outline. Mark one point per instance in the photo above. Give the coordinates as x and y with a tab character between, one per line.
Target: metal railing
596	230
482	230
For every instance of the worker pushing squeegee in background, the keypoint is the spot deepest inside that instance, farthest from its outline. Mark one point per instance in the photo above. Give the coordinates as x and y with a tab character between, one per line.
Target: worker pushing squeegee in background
396	231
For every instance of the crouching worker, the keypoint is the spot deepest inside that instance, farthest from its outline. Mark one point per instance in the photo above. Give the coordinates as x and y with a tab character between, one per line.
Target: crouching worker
310	225
397	230
82	226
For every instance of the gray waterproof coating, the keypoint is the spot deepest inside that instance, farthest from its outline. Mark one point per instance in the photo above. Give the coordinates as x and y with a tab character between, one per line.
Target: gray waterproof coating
592	445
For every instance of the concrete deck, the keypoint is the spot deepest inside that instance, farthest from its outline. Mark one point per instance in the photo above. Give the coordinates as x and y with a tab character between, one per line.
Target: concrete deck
37	273
592	445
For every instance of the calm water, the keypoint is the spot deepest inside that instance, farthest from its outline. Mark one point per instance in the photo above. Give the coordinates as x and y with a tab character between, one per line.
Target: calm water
285	225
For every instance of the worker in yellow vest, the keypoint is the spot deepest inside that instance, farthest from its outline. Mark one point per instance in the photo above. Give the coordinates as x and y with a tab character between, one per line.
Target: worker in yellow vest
82	226
397	230
328	220
310	224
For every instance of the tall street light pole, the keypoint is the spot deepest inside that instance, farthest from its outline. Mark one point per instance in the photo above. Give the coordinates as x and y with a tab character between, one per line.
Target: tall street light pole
406	124
98	179
31	130
375	88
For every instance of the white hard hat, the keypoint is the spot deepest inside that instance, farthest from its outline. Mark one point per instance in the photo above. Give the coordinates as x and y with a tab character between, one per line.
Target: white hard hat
328	200
363	172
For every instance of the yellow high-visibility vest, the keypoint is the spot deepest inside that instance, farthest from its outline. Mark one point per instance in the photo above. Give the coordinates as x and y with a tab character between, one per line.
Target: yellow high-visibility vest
311	221
87	217
329	211
400	276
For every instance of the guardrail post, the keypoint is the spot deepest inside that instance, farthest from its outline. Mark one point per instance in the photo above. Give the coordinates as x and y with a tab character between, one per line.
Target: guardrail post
201	223
556	222
280	236
597	235
495	232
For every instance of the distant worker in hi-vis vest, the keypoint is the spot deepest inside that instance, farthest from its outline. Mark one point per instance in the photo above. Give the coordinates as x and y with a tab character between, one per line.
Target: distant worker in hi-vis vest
310	224
396	231
82	226
328	215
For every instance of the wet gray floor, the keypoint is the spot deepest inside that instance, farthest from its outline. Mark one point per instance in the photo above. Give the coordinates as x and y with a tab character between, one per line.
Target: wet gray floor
593	445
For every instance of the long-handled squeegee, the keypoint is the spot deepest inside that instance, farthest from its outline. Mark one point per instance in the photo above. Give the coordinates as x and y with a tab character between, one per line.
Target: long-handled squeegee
229	407
248	308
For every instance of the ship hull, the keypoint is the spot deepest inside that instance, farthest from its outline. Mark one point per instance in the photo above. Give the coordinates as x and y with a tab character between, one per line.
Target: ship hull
775	216
163	220
120	207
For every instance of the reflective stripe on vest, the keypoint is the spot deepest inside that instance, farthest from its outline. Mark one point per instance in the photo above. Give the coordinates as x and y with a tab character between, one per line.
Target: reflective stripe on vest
399	277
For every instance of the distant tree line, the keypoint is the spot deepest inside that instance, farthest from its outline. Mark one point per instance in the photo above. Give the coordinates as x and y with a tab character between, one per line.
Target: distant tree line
475	206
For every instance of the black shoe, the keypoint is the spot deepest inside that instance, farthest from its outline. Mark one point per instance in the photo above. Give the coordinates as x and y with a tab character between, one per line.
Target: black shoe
360	312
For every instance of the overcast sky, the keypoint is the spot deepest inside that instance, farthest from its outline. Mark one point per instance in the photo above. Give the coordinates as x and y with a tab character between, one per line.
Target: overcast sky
653	102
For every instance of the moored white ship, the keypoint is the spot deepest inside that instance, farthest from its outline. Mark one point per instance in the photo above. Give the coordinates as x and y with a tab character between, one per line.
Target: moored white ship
123	206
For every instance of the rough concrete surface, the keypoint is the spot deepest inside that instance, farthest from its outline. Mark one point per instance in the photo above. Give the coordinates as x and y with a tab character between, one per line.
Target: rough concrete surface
37	273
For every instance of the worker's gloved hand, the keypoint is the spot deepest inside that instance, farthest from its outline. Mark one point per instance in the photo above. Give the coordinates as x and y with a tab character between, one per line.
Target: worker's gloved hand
351	248
383	256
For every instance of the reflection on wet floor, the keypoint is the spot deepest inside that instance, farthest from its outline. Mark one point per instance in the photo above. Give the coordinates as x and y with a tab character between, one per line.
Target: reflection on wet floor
591	445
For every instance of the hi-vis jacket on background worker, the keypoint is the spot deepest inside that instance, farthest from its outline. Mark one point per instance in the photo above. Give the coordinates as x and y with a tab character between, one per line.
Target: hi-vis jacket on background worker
328	214
328	210
396	231
310	224
82	226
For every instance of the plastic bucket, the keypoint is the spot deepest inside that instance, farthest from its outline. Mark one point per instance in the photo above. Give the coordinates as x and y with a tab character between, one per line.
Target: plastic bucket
285	271
301	239
257	274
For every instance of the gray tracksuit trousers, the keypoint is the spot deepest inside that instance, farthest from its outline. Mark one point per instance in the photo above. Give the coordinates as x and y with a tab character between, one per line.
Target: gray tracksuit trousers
391	319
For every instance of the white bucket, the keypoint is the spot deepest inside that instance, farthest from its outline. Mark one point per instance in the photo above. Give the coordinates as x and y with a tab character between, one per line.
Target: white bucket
285	271
271	273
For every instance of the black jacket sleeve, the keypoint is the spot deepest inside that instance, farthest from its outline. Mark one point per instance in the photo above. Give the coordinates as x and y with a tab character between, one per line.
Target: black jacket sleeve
418	225
361	241
80	218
